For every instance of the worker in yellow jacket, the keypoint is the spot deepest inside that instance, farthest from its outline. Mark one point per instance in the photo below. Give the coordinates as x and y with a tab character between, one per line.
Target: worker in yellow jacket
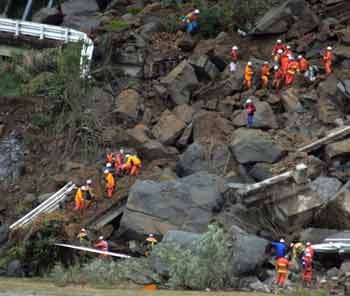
133	164
79	199
110	183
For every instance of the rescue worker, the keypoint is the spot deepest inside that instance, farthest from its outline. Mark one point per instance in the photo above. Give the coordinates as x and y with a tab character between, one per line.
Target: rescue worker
280	248
248	75
284	63
110	183
327	60
83	237
307	266
109	157
297	250
89	194
133	164
250	108
234	59
191	20
278	77
288	51
282	265
279	46
310	249
265	73
150	241
119	161
293	68
79	198
277	57
303	64
102	245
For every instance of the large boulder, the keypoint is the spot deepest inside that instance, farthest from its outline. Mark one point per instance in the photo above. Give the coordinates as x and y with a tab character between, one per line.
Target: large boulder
180	82
51	16
129	105
264	117
211	126
184	204
292	15
204	68
169	128
184	112
249	146
338	149
290	101
199	157
326	187
79	7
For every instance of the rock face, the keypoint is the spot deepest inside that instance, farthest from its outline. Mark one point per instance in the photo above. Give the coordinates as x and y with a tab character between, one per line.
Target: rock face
204	68
251	146
51	16
197	157
180	83
340	148
263	117
291	101
128	107
326	187
169	128
184	204
292	15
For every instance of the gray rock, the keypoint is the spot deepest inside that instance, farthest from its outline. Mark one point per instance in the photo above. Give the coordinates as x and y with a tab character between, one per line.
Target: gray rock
204	68
185	139
261	171
180	83
333	272
316	235
344	87
182	238
51	16
15	269
79	7
183	204
4	234
292	15
184	113
81	22
128	107
249	146
150	28
338	149
290	100
326	187
264	117
253	284
345	267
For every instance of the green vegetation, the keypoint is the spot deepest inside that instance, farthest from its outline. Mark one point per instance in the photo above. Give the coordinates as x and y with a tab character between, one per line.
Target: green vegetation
134	10
305	292
116	26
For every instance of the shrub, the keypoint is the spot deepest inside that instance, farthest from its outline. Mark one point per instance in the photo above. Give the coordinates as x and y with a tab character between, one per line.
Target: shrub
116	26
134	10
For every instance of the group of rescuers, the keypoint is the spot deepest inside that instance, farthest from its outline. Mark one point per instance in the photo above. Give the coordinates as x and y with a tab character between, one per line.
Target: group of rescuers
102	244
299	254
116	165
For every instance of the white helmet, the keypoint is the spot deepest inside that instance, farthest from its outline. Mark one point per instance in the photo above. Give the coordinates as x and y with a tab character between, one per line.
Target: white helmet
151	235
196	11
290	58
250	63
279	41
109	165
106	171
280	51
127	156
83	230
83	188
100	238
89	182
329	48
266	63
275	67
122	151
235	47
308	244
300	56
288	46
248	101
282	240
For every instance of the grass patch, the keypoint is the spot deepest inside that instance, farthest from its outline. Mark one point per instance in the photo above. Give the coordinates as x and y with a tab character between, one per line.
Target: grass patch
10	84
116	26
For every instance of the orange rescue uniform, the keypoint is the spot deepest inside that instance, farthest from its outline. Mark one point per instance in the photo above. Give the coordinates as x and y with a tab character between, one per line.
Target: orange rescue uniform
303	65
278	77
248	75
79	200
282	265
103	246
110	185
134	164
293	67
265	73
327	60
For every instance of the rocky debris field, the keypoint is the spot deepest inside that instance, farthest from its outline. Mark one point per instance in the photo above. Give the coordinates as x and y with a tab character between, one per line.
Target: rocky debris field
170	97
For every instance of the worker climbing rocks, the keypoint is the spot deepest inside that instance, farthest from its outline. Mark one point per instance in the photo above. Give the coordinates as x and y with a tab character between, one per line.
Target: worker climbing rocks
102	245
79	198
119	161
310	249
277	58
303	64
265	73
250	108
150	241
293	68
279	47
280	248
191	21
83	237
307	267
234	59
278	77
110	183
133	164
248	75
282	265
327	60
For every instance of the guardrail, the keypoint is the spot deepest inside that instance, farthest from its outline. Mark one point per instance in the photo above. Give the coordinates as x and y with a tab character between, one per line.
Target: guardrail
42	31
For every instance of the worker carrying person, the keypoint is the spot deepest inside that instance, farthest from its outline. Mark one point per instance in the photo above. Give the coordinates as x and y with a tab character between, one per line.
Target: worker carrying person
279	47
150	242
327	60
110	183
102	245
79	198
307	267
119	162
293	68
191	21
250	108
83	237
248	75
297	250
234	59
282	266
278	77
280	248
265	73
133	164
